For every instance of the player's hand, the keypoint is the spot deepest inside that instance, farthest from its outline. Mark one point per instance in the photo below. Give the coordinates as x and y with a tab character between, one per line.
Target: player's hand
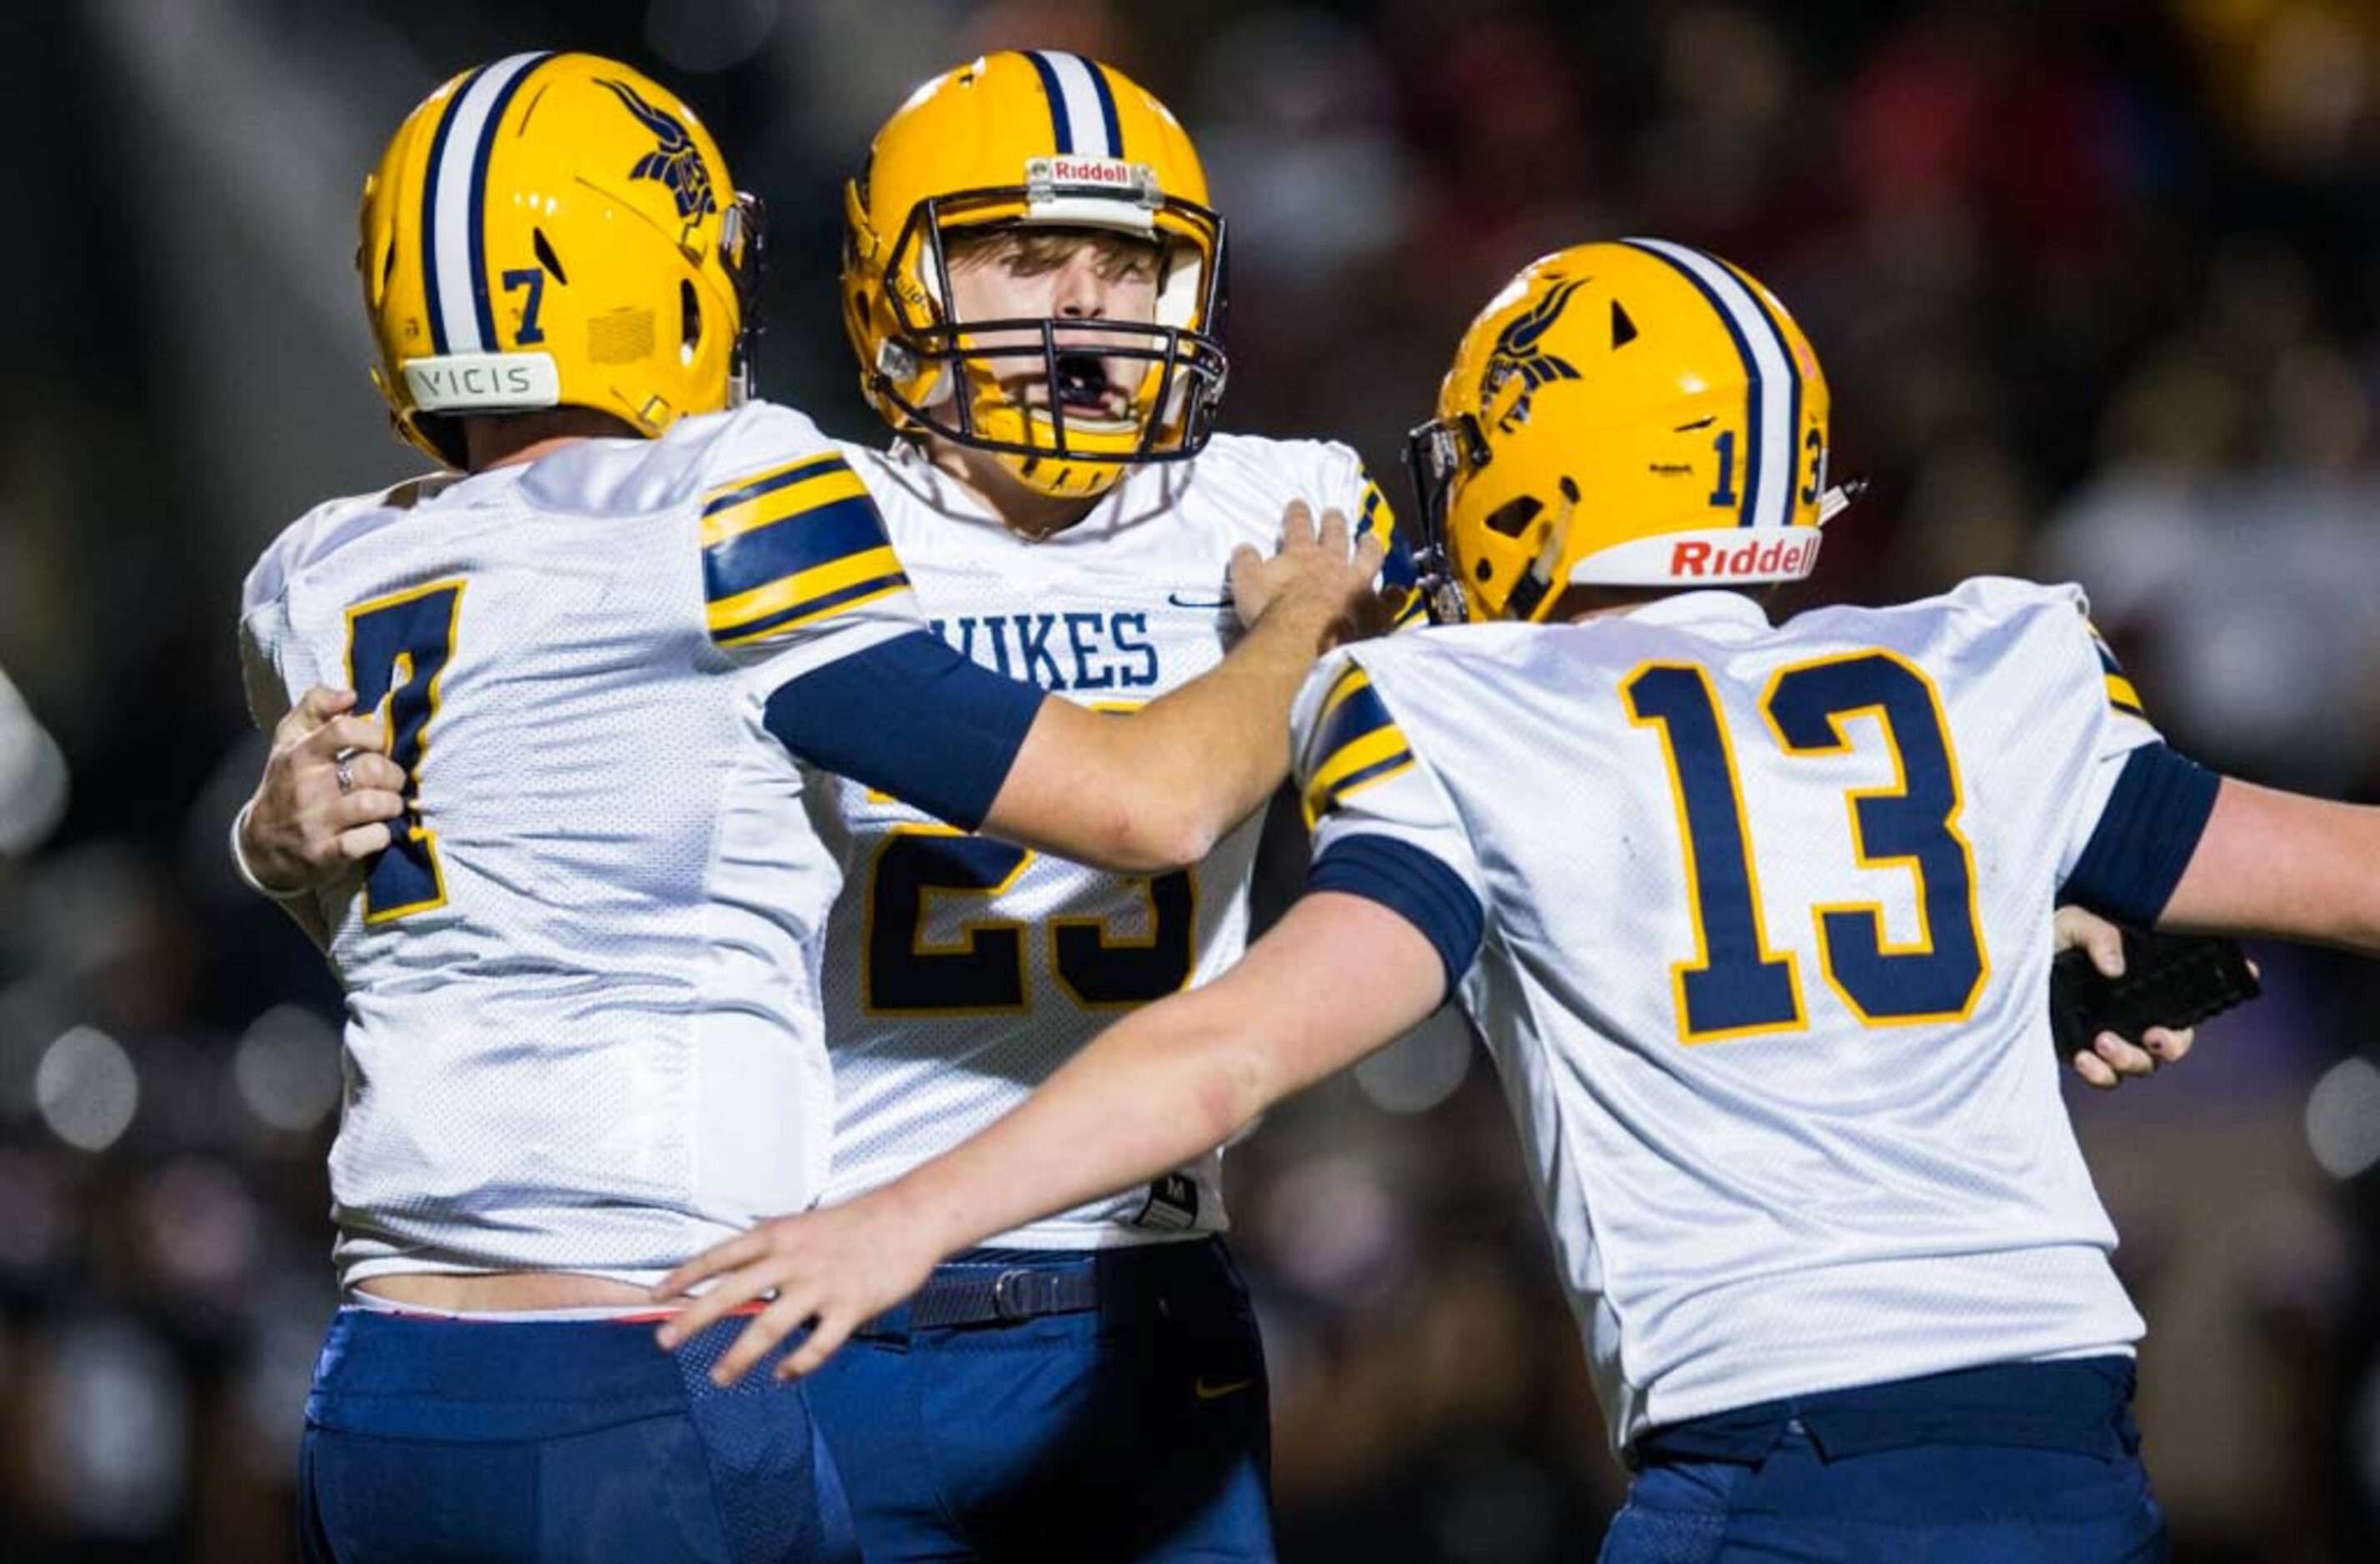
836	1268
2110	1059
1315	570
306	824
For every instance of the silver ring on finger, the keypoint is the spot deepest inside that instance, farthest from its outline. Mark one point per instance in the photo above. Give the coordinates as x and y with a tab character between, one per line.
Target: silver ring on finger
346	773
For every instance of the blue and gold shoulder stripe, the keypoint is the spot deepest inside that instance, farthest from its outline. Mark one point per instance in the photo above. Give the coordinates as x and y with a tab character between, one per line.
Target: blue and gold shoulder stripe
1355	743
791	545
1397	563
2120	692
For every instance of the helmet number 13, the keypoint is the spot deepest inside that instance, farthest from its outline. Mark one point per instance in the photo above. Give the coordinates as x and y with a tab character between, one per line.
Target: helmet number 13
1735	986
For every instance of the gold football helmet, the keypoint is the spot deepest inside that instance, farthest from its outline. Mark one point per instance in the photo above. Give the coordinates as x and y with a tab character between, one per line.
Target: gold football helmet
1632	414
1034	138
554	230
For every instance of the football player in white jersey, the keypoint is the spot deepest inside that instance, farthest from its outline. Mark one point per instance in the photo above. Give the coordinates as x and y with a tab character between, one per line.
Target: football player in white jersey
582	972
1033	282
1753	919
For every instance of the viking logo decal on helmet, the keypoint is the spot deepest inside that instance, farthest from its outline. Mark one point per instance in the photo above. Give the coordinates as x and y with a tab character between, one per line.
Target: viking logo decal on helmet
1517	352
675	162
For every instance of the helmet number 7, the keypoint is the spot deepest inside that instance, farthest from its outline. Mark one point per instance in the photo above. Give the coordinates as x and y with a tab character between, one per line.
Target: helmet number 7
533	279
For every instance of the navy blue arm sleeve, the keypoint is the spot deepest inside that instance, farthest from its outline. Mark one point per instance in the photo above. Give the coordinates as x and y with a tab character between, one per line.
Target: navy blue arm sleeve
1411	883
2144	837
912	717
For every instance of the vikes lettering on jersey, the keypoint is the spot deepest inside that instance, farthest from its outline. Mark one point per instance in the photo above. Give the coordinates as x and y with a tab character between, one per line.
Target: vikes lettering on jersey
1105	652
962	972
1758	902
583	1028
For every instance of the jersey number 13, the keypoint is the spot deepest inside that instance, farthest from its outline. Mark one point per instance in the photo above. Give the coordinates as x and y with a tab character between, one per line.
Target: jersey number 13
1734	985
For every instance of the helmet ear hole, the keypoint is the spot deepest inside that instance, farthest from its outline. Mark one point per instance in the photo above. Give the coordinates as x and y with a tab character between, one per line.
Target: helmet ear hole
690	306
546	258
1512	517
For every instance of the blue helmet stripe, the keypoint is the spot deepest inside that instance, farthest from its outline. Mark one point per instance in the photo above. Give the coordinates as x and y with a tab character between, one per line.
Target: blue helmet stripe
1082	105
1057	96
429	208
1753	440
1107	106
1773	419
480	303
1791	433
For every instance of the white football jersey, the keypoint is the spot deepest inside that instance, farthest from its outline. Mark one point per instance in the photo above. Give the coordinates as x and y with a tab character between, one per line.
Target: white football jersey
583	1027
1764	966
962	972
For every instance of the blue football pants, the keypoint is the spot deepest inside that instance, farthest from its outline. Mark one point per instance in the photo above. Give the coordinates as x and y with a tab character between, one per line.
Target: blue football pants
436	1441
1137	1432
2030	1463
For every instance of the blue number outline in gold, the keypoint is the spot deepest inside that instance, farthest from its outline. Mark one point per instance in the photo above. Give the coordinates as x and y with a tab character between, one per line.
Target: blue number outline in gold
383	701
1851	934
1731	823
971	943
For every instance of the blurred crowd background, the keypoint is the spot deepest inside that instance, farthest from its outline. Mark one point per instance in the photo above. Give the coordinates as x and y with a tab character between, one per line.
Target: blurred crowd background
2097	283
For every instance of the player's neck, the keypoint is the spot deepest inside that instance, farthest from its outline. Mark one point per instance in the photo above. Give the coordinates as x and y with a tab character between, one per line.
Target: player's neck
1588	615
512	438
1580	603
1028	513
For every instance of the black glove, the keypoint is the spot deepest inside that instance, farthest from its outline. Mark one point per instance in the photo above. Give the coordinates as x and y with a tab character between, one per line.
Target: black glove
2172	980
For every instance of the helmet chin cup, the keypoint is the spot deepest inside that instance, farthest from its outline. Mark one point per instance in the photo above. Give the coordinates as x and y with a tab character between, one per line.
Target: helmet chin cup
973	384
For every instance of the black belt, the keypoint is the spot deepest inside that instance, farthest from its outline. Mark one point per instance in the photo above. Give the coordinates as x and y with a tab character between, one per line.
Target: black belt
1132	1282
970	1294
973	1295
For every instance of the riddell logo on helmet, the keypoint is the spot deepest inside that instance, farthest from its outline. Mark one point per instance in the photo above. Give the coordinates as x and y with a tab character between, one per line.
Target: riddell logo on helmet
1090	171
1779	556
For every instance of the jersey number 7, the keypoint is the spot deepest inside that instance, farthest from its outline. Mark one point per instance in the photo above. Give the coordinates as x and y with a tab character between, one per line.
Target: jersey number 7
397	650
1734	986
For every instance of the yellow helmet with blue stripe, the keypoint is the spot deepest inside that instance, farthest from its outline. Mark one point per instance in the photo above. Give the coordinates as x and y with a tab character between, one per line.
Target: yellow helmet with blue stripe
1033	138
555	230
1632	414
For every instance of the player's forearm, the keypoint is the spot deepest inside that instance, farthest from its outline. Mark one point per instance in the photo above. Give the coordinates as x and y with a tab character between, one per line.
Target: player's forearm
2283	866
306	913
1160	1090
1155	789
1218	746
1173	1081
303	908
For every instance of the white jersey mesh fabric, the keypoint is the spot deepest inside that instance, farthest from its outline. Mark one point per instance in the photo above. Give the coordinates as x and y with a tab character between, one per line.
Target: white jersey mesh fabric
583	1026
1795	1126
962	972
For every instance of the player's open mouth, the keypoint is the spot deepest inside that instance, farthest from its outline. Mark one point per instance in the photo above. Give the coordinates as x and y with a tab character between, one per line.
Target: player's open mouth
1083	388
